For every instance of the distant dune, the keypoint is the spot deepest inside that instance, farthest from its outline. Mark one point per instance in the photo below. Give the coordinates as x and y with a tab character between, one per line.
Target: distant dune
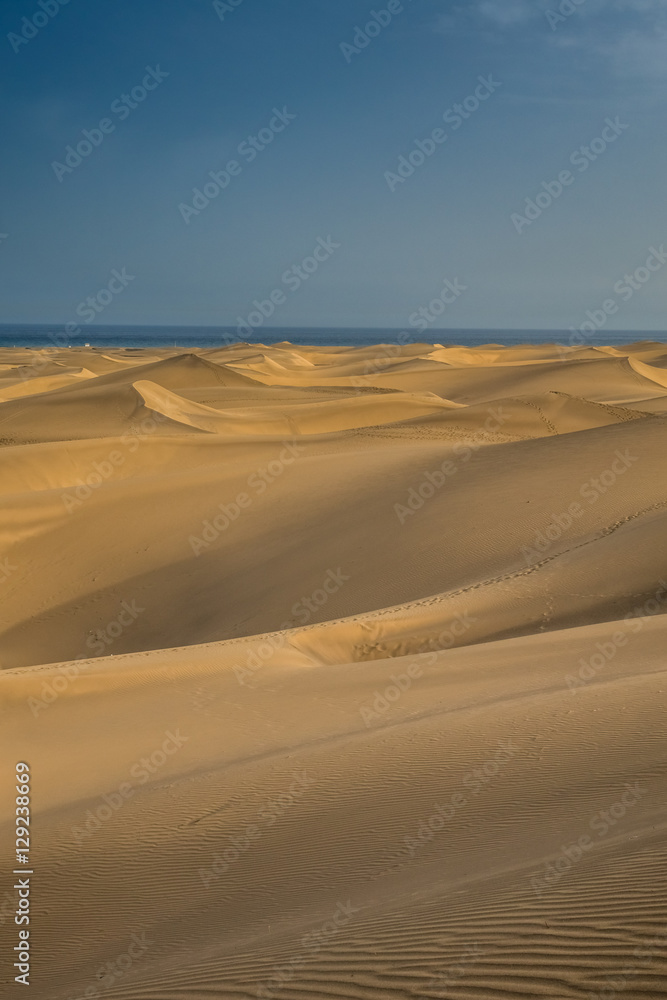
340	672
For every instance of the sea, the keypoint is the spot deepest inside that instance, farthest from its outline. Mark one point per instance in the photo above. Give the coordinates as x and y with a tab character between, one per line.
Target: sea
187	337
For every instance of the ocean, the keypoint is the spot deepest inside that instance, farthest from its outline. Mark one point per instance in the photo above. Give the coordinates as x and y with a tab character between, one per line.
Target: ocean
39	336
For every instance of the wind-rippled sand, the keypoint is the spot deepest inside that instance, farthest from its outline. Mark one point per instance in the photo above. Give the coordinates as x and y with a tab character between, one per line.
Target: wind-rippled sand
341	673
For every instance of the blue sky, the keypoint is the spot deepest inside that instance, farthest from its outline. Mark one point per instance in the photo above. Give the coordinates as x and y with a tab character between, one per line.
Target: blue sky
330	172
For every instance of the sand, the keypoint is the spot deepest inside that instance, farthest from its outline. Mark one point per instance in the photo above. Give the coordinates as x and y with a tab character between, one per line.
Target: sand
340	672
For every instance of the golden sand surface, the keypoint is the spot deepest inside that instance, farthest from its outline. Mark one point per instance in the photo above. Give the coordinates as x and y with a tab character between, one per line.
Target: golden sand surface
340	672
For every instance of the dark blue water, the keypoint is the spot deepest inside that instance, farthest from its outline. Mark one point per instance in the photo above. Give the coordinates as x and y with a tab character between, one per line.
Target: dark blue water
23	335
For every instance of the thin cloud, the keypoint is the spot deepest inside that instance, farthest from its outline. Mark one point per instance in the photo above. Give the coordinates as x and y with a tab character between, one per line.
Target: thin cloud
630	36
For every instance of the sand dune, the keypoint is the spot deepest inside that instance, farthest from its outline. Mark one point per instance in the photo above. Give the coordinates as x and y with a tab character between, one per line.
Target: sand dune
340	672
